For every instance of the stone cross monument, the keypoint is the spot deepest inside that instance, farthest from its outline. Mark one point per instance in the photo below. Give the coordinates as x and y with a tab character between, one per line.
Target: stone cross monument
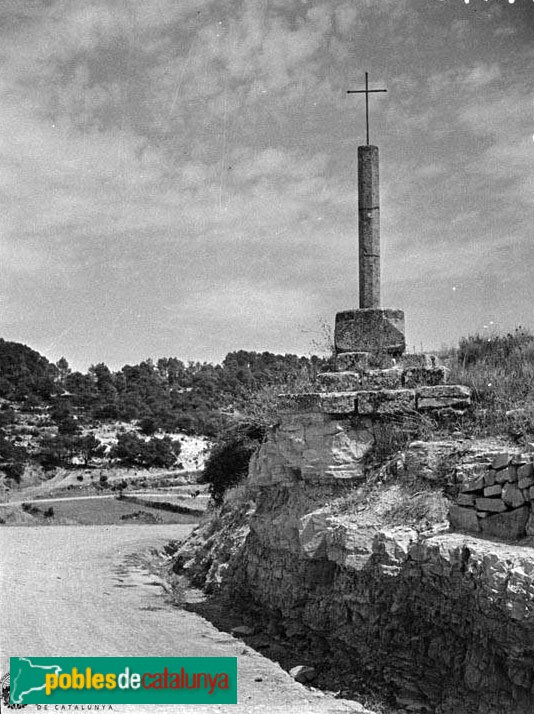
370	329
372	379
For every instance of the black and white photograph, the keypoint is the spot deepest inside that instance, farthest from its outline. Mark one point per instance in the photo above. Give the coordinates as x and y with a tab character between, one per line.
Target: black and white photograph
267	356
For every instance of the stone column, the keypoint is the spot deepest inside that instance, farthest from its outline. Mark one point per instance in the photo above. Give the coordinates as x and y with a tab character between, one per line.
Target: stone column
369	227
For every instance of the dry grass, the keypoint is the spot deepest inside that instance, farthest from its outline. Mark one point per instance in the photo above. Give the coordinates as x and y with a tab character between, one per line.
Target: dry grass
418	508
499	369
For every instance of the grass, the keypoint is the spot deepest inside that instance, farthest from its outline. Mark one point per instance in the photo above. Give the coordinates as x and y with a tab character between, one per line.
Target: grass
499	369
104	511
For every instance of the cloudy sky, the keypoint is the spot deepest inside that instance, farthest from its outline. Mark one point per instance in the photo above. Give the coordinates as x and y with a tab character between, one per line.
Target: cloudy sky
178	177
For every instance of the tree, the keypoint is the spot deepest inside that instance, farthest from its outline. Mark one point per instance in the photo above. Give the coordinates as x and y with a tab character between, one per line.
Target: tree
132	450
89	447
147	426
63	371
12	459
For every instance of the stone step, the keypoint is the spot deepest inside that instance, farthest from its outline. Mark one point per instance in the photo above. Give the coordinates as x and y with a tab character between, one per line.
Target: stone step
392	378
373	402
358	381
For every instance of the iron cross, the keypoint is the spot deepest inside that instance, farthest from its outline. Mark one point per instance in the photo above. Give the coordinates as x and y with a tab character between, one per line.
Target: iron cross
366	91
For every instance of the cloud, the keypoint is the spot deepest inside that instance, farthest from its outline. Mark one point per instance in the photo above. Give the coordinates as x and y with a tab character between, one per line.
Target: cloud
174	163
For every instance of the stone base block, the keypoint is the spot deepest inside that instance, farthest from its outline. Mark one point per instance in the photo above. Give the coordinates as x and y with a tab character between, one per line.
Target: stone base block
424	376
418	359
369	330
382	379
358	381
452	396
340	381
386	401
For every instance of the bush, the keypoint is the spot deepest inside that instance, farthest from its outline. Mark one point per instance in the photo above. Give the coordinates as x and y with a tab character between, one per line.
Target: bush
132	450
147	426
228	461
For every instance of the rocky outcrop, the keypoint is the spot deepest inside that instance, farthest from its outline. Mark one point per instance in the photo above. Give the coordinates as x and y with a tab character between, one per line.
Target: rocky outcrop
443	620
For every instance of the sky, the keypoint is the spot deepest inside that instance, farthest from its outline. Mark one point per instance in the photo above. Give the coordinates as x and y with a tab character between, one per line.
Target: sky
178	177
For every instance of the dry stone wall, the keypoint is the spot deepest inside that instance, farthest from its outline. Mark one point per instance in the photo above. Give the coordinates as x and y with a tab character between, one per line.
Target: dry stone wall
496	497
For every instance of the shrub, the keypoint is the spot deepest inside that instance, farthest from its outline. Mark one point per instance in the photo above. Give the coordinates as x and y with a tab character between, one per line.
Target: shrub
394	434
227	464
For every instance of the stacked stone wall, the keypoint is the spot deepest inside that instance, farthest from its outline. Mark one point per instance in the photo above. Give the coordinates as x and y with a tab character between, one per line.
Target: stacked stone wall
496	498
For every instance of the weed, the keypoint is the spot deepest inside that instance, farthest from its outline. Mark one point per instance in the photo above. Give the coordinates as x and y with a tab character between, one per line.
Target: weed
500	373
395	433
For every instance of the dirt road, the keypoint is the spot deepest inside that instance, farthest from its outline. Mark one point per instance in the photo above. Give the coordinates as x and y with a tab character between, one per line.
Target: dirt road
77	591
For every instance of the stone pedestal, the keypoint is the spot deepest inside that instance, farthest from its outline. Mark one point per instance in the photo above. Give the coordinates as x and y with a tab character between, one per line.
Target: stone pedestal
370	330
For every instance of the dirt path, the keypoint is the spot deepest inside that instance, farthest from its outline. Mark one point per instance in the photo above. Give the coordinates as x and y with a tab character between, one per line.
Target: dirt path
79	590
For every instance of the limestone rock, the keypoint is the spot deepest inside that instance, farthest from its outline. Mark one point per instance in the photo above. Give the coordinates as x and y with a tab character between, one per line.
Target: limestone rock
424	376
495	490
465	499
302	673
382	379
370	330
338	402
313	531
463	519
418	359
494	505
352	361
424	459
325	402
525	471
510	525
512	495
242	631
311	447
339	381
501	461
452	396
387	401
507	474
526	482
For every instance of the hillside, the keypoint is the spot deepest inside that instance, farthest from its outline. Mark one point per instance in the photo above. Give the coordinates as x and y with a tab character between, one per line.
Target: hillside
137	417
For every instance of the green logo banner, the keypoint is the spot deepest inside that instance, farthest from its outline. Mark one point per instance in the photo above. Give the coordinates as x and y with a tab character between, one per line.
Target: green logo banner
123	680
